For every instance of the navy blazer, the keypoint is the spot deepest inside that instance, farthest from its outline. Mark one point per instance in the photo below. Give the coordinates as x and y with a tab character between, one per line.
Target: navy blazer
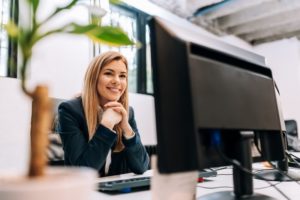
79	151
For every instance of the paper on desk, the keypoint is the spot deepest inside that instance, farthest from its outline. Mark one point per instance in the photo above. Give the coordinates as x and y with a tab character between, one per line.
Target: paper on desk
175	186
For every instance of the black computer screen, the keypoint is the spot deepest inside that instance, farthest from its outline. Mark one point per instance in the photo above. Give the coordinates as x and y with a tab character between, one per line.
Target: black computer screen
205	95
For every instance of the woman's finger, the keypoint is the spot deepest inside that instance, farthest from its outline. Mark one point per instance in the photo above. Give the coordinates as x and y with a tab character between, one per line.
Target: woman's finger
119	110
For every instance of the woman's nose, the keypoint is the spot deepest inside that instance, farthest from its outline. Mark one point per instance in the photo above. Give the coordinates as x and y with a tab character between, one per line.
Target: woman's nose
116	79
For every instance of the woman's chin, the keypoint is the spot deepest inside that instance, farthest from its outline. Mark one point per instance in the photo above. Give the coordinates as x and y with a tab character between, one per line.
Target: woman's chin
108	98
114	99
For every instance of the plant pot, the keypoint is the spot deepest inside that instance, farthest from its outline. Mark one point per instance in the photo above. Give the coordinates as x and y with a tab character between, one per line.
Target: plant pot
58	183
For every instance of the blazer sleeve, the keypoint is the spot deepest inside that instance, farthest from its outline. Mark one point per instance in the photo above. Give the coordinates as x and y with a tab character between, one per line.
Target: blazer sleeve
79	151
137	157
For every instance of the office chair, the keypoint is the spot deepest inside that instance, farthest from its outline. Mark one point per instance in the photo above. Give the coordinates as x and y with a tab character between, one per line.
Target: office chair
293	143
55	150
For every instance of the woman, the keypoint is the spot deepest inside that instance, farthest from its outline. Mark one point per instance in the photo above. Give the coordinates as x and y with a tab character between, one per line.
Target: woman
98	129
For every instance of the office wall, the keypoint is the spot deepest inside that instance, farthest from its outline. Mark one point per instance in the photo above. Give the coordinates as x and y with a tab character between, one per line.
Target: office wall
283	57
15	114
144	112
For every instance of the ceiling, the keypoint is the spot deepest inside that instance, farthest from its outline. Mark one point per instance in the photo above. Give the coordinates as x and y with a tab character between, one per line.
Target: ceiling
255	21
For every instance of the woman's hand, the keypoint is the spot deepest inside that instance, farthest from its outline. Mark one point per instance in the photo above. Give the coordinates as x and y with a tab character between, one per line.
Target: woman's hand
110	118
118	107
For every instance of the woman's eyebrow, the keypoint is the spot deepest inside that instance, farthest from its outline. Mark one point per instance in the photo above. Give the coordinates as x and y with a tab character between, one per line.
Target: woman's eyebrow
111	70
108	69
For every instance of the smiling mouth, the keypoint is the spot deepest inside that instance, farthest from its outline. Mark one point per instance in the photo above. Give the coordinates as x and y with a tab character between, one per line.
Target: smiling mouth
114	90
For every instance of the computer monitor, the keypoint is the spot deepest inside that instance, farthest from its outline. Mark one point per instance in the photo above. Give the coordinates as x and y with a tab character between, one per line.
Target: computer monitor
211	100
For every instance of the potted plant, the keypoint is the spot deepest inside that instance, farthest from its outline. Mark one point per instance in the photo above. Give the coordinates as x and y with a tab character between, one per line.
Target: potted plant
27	37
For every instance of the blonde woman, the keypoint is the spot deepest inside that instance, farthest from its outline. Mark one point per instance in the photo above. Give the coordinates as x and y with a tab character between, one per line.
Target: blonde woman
98	128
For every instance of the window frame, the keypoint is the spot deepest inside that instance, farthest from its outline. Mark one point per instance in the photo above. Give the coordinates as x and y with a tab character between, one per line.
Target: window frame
12	46
12	68
141	21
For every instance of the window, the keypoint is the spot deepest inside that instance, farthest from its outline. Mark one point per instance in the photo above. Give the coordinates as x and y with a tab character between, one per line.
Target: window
149	79
8	48
4	17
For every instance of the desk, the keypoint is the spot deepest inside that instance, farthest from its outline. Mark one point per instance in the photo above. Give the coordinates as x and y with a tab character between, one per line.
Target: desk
224	178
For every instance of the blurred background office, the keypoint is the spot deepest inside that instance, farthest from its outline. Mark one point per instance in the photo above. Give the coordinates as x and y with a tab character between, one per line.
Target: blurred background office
267	27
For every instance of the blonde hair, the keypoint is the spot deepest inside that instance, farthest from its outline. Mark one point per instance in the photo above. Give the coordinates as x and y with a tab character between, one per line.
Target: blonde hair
91	99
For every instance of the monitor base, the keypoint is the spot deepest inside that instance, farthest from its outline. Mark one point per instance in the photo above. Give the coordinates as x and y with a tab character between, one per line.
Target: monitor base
229	195
275	175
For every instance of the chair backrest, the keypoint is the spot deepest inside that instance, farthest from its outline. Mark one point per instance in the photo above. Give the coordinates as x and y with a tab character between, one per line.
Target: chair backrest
291	127
55	104
292	135
151	150
55	151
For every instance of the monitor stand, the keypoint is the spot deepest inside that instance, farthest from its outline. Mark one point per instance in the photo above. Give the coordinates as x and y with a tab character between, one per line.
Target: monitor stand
275	175
280	174
243	181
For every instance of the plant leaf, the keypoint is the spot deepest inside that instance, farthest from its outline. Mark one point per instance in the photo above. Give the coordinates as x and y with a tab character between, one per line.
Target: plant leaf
81	29
35	4
12	29
113	36
115	1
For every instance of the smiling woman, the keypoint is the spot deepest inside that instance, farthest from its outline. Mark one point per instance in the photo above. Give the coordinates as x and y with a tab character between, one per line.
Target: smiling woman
98	129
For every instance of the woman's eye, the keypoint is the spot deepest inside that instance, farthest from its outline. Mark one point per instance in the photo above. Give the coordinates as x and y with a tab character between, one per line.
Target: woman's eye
107	73
122	76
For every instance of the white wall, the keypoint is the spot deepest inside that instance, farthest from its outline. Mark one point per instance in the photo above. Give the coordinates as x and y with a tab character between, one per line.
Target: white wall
15	114
144	111
283	57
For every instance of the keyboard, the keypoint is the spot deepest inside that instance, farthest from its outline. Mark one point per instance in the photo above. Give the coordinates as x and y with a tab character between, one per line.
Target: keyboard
125	185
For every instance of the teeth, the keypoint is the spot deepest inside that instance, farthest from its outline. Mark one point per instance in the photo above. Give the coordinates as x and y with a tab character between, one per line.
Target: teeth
114	89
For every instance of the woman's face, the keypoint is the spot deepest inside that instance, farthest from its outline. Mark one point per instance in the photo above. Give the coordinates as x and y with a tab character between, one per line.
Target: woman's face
112	81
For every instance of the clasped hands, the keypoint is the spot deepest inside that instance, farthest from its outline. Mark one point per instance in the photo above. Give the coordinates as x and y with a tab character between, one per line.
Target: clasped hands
114	113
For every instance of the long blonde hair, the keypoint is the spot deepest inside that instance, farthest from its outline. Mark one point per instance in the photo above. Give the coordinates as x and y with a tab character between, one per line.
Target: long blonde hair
91	99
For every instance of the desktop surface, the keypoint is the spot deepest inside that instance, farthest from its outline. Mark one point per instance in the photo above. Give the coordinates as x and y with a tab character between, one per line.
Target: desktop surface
222	182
